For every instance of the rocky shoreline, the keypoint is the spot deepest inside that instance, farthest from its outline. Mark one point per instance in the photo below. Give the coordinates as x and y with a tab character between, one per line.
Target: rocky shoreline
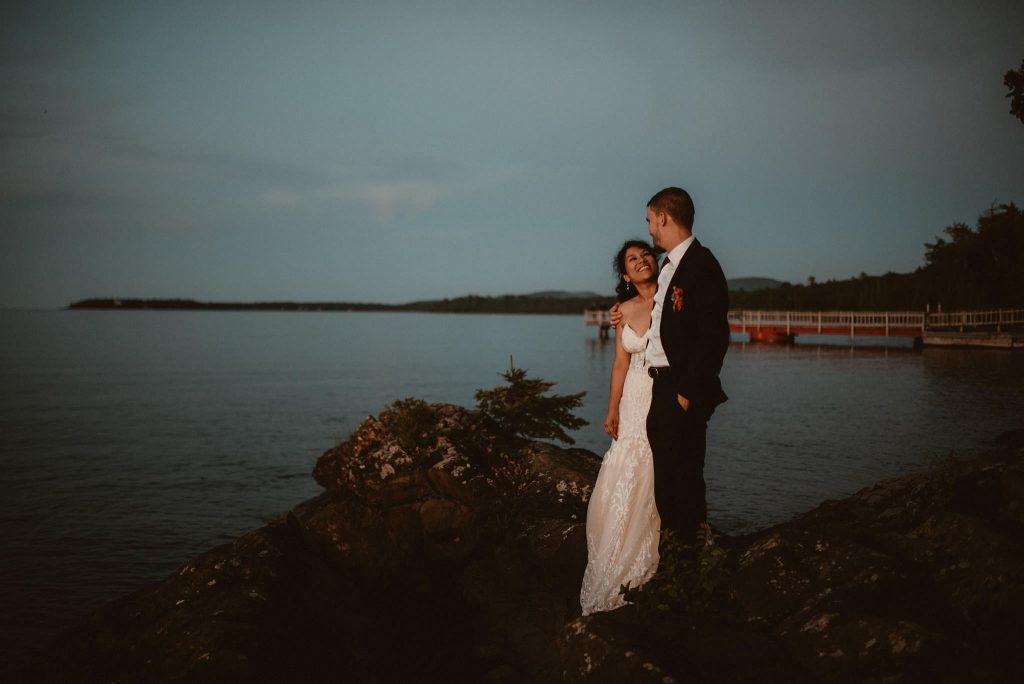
423	561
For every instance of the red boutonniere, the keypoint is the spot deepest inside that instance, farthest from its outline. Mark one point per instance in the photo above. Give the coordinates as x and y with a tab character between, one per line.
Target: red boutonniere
677	299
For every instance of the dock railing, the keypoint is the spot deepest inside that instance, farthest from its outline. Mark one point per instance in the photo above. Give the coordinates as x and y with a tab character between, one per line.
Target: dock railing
880	322
827	321
996	319
884	321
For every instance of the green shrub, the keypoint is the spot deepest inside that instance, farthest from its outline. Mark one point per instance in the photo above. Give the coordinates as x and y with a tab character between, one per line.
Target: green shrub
413	422
688	577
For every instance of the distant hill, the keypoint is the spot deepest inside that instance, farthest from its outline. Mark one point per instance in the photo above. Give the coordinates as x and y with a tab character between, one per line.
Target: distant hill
562	294
752	284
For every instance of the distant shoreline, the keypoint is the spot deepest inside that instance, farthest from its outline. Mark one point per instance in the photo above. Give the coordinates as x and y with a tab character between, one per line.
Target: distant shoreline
544	302
505	304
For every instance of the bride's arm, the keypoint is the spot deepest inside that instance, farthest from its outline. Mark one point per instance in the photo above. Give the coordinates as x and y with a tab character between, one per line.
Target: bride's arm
619	367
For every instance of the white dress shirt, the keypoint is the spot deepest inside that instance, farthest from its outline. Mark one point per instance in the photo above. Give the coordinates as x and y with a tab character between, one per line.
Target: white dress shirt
655	353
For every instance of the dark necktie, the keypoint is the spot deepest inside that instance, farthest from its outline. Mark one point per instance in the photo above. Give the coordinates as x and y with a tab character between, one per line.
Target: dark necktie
665	262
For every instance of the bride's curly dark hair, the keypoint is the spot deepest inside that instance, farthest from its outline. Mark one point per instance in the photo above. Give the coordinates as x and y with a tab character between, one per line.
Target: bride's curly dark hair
624	290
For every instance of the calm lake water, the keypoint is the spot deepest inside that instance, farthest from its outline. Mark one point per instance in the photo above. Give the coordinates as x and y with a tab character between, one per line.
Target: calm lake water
132	441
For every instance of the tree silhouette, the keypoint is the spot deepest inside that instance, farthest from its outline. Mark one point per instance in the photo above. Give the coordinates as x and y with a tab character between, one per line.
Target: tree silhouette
981	267
1014	80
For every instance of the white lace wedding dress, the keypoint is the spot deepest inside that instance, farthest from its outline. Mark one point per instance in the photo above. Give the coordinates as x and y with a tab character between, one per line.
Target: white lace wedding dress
622	520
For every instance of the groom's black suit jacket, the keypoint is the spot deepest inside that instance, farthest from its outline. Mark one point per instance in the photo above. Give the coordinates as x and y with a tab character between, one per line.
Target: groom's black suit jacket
695	328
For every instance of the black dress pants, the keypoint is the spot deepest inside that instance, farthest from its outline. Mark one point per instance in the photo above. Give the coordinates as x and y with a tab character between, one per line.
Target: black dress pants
678	441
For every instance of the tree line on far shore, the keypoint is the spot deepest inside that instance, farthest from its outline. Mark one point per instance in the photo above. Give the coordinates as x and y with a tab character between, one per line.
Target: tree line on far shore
505	304
980	268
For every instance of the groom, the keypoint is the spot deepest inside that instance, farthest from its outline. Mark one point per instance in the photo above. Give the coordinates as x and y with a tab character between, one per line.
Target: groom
688	340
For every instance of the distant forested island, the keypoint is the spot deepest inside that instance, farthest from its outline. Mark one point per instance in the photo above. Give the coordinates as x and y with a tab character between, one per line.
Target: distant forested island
546	302
969	269
540	303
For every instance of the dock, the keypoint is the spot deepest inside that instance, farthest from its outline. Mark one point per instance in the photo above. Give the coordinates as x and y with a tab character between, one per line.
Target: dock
963	340
993	329
600	318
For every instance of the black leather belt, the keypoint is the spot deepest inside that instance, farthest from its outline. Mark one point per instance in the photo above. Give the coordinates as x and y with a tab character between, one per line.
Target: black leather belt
658	371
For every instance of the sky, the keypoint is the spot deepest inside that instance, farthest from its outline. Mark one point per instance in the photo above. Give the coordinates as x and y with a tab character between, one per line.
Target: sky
398	151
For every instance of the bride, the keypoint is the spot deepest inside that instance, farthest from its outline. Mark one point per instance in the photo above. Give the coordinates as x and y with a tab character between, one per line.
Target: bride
622	521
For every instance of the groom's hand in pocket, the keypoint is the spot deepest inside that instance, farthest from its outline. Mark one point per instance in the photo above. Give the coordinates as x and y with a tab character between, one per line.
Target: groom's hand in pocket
611	424
684	403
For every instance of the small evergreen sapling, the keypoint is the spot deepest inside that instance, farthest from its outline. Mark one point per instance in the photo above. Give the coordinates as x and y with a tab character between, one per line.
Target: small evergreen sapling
520	411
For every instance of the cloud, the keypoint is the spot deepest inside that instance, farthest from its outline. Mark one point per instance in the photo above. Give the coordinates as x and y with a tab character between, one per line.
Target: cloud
386	200
389	189
22	124
21	194
390	200
230	163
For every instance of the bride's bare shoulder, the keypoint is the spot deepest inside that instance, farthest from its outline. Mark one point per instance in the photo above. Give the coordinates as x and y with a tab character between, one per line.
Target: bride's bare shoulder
629	305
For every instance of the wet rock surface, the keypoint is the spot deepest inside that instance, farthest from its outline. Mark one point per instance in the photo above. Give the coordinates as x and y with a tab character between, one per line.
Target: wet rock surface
425	560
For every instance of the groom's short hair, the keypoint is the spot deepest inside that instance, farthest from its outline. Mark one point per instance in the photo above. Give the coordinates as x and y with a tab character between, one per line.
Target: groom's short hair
675	202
